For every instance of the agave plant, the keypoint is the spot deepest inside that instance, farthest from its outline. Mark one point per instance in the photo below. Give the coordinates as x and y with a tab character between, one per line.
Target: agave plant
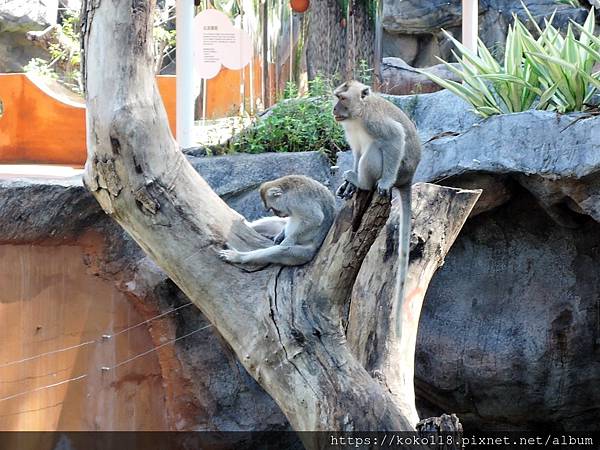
552	71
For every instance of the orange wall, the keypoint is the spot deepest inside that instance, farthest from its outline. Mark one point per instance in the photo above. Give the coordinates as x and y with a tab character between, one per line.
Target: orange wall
224	95
167	88
49	301
39	126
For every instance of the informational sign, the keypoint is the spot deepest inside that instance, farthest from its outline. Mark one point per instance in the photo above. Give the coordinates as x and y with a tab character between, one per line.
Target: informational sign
219	43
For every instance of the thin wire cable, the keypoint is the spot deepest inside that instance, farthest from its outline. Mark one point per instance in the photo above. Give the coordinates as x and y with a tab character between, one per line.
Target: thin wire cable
19	361
150	320
35	377
80	377
103	338
41	388
172	341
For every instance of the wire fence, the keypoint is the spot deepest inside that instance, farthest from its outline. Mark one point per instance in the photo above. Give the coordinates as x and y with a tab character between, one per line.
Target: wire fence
103	338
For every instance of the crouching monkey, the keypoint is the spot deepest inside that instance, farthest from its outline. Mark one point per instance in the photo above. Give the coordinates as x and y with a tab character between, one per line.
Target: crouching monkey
305	210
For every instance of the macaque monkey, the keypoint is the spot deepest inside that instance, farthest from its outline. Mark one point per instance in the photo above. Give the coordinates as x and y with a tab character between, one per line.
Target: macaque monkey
305	210
384	141
270	227
386	149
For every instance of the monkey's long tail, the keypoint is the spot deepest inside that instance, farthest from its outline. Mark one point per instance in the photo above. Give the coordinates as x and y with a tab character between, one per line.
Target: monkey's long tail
404	252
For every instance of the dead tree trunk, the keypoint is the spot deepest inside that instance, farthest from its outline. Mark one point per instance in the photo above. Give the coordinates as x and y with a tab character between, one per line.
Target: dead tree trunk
339	39
286	325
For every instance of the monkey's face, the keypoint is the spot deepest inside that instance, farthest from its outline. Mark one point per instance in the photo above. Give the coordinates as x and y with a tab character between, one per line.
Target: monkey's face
274	200
349	102
340	110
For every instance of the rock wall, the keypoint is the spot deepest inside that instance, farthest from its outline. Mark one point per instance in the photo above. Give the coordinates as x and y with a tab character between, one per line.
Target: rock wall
205	387
412	28
509	334
48	301
17	17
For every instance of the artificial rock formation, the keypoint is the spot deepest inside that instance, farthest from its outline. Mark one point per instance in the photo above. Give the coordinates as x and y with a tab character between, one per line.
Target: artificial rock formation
520	287
17	17
400	78
510	315
413	28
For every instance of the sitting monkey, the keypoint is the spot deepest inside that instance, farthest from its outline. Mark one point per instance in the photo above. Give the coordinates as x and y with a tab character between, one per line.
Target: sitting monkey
308	209
384	141
386	149
270	227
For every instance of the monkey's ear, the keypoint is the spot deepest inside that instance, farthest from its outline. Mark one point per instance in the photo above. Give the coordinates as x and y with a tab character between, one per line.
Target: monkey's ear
366	91
274	192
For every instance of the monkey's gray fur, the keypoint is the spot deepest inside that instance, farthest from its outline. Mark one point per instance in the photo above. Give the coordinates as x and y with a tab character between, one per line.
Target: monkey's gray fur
305	210
270	227
386	149
384	141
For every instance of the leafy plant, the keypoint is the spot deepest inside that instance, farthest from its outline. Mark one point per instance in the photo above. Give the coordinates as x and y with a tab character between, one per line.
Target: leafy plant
295	124
552	71
164	36
40	66
572	3
65	55
290	91
364	73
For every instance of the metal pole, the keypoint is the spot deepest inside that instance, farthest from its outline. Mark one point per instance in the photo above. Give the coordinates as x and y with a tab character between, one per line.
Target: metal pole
204	83
378	50
185	72
266	85
470	24
291	45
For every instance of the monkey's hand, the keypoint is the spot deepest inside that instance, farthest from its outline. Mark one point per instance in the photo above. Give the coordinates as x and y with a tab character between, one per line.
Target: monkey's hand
346	190
279	238
351	177
230	256
384	191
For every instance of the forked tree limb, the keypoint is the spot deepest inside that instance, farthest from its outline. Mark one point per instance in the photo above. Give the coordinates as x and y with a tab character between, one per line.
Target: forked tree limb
284	324
438	215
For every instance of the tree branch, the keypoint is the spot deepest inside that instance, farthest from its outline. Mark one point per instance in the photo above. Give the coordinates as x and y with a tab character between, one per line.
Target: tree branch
283	323
438	215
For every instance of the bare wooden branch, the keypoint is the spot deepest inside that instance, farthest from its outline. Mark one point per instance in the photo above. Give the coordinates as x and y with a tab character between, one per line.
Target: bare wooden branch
283	323
382	328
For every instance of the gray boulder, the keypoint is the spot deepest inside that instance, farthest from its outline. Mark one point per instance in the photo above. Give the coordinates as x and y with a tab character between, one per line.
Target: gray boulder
400	78
437	114
17	17
236	179
412	23
22	15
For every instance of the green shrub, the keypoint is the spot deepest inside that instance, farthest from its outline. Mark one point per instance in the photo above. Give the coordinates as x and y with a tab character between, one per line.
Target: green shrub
65	53
552	71
295	124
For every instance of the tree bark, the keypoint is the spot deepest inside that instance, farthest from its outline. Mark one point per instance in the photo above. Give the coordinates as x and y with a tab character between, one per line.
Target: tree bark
382	327
285	324
337	43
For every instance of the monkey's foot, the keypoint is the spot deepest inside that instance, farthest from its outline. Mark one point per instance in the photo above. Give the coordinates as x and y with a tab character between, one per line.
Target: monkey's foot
340	191
346	190
230	256
384	192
